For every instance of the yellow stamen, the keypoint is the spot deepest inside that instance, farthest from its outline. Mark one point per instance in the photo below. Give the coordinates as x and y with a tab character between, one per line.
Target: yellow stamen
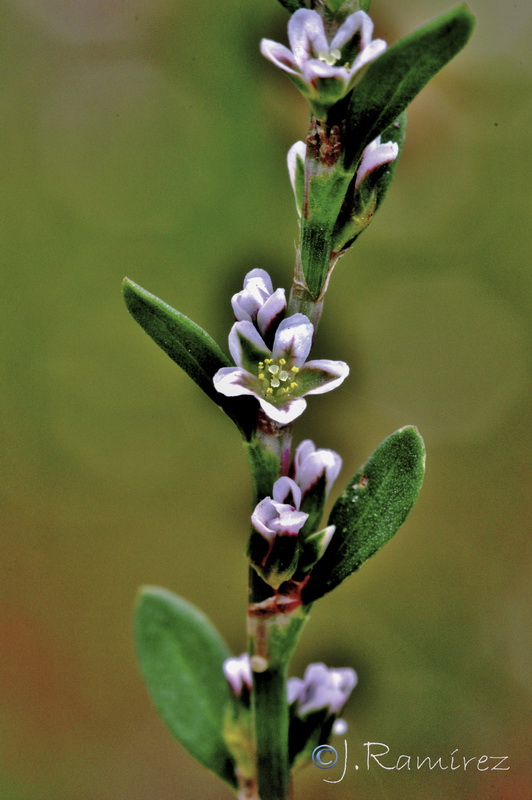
260	376
269	390
293	385
282	361
294	370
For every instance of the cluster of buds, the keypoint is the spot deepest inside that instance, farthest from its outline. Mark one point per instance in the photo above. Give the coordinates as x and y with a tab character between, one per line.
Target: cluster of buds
283	545
270	352
315	701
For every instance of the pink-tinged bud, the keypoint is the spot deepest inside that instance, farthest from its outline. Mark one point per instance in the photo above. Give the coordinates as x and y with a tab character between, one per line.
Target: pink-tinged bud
295	161
311	464
237	672
258	303
375	155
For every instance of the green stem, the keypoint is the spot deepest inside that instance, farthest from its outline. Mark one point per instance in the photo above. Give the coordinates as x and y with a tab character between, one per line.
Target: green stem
273	636
270	714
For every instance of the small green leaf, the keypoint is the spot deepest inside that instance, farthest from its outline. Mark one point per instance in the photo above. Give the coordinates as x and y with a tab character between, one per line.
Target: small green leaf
392	81
371	510
190	347
181	657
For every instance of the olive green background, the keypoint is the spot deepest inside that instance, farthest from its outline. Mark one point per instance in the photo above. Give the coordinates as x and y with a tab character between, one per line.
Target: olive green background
148	138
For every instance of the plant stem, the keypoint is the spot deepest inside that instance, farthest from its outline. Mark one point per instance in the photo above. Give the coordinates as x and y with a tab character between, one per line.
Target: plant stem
273	636
270	712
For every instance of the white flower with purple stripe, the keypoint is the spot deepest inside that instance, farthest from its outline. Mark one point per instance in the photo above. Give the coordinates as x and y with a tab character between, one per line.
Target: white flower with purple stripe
321	689
325	71
279	378
257	302
311	463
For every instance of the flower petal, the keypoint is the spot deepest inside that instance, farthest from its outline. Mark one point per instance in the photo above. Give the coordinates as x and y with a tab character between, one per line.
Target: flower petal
279	55
285	489
290	522
293	339
320	376
375	155
261	278
246	345
370	53
311	464
293	689
263	516
271	310
298	150
286	413
234	381
306	35
237	672
359	21
257	289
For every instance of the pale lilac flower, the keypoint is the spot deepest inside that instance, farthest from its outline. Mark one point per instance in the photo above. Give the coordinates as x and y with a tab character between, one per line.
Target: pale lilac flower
279	377
310	464
257	302
281	514
275	546
237	672
321	689
375	155
323	70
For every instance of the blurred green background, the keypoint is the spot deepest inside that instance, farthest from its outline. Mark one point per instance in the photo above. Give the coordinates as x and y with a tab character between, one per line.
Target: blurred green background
148	138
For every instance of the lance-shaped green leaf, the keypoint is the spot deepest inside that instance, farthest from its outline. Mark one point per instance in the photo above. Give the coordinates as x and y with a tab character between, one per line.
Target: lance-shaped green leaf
371	510
181	656
392	81
190	347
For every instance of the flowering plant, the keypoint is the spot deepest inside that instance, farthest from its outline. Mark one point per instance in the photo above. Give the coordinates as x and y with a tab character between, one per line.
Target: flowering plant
242	717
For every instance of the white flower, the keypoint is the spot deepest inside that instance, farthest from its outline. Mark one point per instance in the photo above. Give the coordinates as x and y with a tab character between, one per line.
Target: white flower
321	689
324	71
281	514
280	377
